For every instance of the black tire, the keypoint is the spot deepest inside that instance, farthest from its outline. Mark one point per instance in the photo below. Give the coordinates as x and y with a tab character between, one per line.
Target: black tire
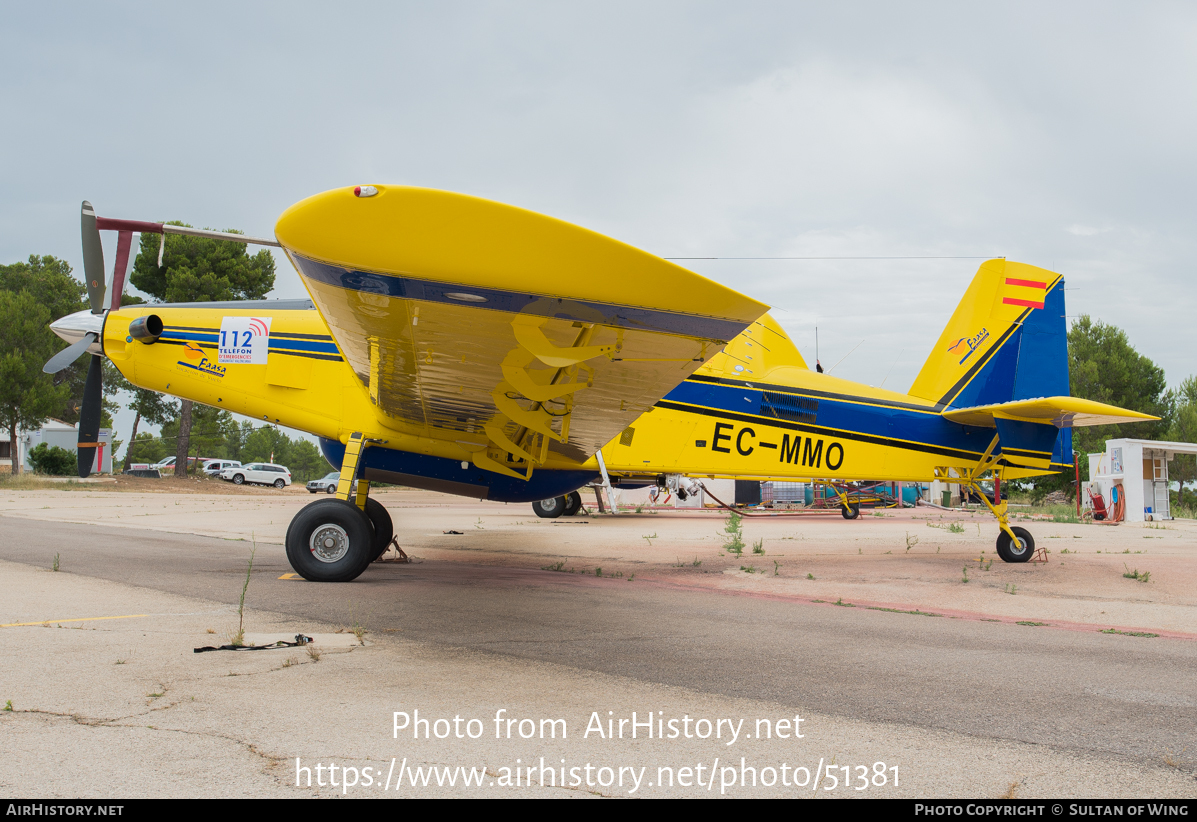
311	490
238	479
549	508
1021	552
332	489
573	503
348	541
280	484
384	529
850	511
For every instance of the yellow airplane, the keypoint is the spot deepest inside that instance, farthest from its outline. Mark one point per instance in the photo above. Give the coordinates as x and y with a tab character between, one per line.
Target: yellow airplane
461	345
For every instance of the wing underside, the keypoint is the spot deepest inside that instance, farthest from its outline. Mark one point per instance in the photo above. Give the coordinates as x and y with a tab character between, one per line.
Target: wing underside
521	365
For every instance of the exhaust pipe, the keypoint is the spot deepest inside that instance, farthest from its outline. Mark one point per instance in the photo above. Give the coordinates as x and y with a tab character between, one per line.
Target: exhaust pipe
146	329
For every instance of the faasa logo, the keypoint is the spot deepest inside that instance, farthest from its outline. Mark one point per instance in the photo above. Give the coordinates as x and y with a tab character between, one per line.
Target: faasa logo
973	344
206	366
193	352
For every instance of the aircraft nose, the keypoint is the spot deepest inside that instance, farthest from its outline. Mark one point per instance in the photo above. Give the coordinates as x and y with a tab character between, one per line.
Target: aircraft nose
72	327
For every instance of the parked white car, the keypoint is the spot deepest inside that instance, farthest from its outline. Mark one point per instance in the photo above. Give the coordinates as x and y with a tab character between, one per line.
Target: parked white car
258	473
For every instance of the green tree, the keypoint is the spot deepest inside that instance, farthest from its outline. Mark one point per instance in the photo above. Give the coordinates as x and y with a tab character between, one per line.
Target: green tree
147	448
27	396
1103	366
1184	429
196	269
51	284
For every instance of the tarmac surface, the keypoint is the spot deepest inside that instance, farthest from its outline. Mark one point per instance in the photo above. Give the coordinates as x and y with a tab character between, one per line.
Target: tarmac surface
863	629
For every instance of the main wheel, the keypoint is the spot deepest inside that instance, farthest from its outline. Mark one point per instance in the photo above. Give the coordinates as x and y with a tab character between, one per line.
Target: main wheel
330	540
384	529
573	503
238	479
1011	551
280	484
850	511
549	508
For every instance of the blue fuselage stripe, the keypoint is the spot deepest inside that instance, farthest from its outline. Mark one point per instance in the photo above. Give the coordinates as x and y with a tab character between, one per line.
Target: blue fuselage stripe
891	426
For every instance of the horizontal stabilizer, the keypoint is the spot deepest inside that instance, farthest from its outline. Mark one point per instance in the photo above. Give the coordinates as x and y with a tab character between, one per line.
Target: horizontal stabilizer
1062	412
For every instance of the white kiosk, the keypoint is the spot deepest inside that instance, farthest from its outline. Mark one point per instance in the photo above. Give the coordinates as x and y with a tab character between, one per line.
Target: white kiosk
1140	467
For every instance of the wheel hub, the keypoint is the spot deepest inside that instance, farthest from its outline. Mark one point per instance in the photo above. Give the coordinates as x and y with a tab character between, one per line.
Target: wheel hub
329	543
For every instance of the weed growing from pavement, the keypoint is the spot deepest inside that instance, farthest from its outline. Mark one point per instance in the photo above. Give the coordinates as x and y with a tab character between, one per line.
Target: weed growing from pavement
750	569
965	579
8	706
956	528
289	661
758	547
696	562
910	542
556	566
840	602
649	538
238	638
598	572
776	568
1143	577
1011	588
735	540
313	654
1028	622
810	576
54	567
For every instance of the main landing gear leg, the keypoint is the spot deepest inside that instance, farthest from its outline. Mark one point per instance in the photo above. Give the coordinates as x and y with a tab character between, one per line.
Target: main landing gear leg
334	540
1013	544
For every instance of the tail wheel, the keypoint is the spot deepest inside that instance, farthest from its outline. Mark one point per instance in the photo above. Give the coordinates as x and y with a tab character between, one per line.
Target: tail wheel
1020	551
549	508
384	529
330	540
573	503
850	511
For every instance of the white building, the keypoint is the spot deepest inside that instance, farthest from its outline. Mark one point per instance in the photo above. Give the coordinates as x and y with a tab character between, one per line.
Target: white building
1140	469
54	432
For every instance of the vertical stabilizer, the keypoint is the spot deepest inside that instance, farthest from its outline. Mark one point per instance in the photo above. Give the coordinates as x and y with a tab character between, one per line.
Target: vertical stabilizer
1007	340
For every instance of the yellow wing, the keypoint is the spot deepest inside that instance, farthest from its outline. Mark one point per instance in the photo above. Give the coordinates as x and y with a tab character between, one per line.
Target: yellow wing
512	334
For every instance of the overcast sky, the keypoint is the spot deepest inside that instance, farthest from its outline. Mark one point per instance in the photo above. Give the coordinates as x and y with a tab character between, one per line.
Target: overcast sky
1062	135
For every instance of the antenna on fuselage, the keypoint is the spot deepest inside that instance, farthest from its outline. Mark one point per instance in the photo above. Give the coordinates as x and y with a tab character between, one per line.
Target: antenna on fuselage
818	365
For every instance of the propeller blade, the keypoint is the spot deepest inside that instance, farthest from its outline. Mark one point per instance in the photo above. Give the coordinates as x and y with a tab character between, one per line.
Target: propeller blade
89	415
93	259
69	354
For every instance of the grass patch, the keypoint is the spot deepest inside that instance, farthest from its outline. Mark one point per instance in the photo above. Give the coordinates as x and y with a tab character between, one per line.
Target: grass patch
1128	633
915	612
1028	622
54	567
758	547
840	602
556	566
